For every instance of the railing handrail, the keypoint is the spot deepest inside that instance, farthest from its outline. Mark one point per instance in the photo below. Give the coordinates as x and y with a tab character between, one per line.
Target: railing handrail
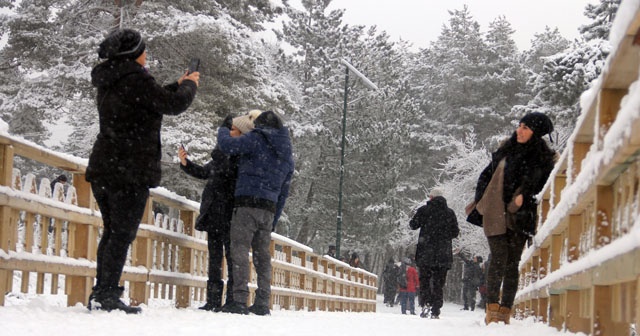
160	256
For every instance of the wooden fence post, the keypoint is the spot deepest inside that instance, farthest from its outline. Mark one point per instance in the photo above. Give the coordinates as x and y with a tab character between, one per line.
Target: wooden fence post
8	231
186	263
82	244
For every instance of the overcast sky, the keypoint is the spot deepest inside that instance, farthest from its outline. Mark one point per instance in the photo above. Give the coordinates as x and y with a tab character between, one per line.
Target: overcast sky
421	21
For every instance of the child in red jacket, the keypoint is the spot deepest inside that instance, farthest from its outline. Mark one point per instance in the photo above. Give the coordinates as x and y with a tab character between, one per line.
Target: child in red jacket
407	286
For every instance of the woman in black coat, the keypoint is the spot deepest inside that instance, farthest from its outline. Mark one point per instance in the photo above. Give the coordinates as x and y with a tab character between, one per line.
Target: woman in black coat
505	196
438	226
216	208
125	159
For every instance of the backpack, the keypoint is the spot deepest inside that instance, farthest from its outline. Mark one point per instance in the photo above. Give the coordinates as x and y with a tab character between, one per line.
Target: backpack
402	276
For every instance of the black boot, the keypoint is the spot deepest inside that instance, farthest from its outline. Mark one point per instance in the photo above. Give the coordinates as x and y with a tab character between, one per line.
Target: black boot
236	308
108	299
214	296
259	310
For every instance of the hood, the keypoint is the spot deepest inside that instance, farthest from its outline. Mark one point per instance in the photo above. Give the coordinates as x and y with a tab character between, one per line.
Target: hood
278	140
109	72
438	201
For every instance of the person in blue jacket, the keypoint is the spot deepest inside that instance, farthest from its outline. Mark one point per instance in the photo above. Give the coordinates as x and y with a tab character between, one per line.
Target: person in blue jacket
265	168
216	208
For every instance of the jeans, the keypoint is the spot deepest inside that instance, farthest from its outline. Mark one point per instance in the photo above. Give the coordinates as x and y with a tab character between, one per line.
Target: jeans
407	300
251	229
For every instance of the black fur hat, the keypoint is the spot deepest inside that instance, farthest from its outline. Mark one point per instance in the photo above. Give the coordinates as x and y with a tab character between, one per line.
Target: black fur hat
122	44
538	122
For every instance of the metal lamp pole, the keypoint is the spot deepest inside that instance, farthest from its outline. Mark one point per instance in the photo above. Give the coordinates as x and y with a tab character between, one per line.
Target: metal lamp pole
369	84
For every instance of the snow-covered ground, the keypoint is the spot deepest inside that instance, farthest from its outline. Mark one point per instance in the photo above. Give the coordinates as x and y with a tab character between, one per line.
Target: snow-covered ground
47	315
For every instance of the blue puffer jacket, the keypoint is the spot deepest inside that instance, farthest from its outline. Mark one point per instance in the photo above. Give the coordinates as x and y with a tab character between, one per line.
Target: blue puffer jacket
265	164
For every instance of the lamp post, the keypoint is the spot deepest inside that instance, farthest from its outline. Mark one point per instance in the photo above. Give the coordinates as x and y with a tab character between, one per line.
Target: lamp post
369	84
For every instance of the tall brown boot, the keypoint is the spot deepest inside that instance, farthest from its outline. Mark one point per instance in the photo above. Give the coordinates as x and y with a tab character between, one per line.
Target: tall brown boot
504	314
492	312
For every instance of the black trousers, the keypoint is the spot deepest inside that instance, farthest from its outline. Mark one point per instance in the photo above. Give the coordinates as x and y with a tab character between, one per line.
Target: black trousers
219	244
469	295
506	250
432	281
122	207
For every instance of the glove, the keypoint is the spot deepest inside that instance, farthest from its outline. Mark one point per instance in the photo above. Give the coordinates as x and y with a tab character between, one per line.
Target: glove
227	122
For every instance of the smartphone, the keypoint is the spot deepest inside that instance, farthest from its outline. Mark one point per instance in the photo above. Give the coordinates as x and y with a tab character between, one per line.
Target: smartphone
194	65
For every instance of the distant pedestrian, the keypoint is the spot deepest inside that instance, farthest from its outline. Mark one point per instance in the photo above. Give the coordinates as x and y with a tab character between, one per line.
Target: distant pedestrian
438	226
332	251
62	179
407	290
390	282
355	261
472	278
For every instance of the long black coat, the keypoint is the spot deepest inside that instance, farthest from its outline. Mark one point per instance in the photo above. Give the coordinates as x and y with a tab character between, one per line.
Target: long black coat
216	206
131	106
438	226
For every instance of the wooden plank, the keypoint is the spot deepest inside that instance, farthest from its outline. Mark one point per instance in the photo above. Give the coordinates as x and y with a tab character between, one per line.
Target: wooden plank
48	157
602	323
46	210
580	150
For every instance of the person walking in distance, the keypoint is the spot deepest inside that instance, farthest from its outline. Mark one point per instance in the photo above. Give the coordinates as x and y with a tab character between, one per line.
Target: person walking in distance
472	278
438	227
216	208
506	198
407	287
390	282
125	160
265	169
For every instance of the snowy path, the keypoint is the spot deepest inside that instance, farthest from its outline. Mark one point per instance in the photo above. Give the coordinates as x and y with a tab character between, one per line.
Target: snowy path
42	316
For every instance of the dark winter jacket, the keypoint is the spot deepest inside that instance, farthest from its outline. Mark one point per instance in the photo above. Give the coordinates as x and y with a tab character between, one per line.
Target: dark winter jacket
390	275
438	226
265	166
472	273
526	170
131	106
216	205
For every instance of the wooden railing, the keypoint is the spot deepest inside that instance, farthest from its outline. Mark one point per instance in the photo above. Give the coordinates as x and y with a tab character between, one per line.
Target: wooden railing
582	273
48	243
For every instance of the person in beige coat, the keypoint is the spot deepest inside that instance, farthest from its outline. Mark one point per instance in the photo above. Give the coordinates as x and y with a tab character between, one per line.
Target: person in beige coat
506	197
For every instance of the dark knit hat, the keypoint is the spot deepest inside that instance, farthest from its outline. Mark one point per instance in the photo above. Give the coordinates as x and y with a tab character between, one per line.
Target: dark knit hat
538	122
122	44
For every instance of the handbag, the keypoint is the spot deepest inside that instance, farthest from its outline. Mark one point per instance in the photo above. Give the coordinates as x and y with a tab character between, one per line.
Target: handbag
473	216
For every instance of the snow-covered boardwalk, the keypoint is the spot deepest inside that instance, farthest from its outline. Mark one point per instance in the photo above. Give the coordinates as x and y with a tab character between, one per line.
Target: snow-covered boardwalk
41	316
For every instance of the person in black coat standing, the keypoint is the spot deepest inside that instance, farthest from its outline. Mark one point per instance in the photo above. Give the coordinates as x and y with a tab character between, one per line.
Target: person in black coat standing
438	226
472	279
125	159
390	278
506	197
216	208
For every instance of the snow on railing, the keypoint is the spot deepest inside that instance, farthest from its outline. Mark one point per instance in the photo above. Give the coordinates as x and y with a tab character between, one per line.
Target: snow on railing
580	274
58	232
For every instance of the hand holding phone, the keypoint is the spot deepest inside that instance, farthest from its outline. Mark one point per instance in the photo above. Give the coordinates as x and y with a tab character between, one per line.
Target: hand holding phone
182	155
194	65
